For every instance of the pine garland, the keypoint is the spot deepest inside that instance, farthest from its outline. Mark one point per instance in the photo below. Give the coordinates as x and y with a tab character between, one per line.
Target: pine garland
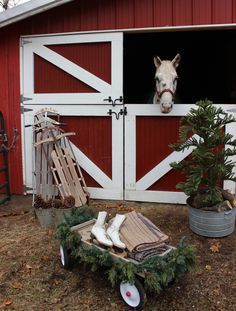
63	233
158	271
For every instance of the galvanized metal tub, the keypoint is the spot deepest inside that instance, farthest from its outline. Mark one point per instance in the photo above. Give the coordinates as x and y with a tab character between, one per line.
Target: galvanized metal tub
211	224
60	213
45	217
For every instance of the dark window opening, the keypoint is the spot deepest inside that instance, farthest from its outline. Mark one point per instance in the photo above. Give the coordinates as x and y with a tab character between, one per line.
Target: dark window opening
207	68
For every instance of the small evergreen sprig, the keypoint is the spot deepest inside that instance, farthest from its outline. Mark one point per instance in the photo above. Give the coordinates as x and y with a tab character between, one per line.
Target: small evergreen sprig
63	233
209	164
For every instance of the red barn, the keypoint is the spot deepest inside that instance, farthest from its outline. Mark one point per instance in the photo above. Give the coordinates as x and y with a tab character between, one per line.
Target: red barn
73	55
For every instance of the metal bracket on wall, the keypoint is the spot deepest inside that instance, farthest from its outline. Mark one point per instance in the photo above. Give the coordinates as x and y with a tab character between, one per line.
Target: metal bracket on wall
23	109
23	98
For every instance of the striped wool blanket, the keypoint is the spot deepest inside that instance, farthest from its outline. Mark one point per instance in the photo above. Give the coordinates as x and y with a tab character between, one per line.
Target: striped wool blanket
141	237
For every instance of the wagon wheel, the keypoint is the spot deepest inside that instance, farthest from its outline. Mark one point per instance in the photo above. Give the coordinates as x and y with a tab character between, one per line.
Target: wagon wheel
64	257
133	294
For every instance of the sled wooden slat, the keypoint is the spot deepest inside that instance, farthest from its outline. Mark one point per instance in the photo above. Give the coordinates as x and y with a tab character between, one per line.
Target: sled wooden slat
75	177
51	185
38	161
44	173
68	178
60	174
53	139
67	174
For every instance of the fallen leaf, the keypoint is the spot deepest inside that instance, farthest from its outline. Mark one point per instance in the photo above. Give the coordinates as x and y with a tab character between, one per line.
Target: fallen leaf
215	248
7	302
17	285
14	213
55	300
216	291
233	286
56	282
208	267
50	232
45	258
28	267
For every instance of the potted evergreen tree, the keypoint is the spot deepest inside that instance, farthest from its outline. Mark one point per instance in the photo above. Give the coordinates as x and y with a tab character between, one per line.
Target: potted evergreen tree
211	209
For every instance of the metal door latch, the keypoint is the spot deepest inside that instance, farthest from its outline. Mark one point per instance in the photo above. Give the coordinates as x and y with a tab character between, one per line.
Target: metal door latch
120	99
109	100
122	112
114	102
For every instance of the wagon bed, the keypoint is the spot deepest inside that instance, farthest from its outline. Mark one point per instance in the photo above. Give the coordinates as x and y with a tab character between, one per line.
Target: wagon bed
84	230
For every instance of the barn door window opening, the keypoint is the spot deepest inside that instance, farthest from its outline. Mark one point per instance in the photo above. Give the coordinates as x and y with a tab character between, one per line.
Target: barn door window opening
207	67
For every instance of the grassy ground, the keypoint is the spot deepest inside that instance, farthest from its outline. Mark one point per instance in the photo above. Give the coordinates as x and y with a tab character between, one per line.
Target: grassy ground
31	277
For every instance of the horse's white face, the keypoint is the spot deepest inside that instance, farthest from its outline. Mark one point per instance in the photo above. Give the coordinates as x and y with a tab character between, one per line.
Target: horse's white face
166	82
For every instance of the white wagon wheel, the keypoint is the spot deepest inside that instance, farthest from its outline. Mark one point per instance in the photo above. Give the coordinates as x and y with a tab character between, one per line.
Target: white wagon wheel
64	257
133	294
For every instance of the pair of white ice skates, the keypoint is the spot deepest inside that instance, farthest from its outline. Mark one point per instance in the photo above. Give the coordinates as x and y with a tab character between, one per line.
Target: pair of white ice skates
110	236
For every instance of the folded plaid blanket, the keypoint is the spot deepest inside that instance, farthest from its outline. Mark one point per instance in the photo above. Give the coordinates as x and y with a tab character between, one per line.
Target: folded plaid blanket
141	237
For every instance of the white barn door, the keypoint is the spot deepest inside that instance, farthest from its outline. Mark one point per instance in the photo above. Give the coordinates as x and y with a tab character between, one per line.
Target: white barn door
148	134
80	76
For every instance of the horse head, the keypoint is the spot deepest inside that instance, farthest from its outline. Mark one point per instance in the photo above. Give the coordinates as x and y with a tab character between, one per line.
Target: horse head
166	82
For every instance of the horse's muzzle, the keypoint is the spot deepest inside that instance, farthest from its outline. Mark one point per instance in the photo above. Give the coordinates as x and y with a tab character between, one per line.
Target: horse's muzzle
166	108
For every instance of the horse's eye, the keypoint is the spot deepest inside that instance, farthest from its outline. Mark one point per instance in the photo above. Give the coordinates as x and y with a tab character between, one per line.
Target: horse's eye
157	79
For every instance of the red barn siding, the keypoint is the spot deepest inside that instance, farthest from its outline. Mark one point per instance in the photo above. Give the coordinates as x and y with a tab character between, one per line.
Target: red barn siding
222	11
163	13
182	12
106	14
85	15
202	13
143	12
125	14
234	11
9	102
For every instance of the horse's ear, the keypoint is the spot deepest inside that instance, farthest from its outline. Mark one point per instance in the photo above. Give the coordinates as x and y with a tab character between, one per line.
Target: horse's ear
176	61
157	61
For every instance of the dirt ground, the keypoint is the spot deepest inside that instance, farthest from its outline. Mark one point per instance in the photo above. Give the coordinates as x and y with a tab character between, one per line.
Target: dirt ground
31	277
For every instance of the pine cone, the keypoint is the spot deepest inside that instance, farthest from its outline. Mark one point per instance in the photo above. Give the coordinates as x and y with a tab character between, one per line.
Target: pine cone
39	202
69	201
57	203
48	204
